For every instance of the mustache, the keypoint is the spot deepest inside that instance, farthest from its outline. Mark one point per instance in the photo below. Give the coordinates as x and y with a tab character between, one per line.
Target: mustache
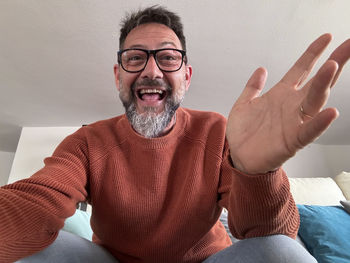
151	83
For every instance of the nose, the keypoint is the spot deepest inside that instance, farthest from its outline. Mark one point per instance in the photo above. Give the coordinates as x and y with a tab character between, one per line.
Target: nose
151	70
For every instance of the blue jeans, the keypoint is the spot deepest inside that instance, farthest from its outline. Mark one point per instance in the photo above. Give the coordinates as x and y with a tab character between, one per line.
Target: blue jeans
69	248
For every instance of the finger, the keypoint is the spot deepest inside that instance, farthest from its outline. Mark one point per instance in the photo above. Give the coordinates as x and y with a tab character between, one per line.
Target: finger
312	129
254	86
318	92
341	55
303	66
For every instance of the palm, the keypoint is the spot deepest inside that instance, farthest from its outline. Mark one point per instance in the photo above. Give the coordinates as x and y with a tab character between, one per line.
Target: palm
264	131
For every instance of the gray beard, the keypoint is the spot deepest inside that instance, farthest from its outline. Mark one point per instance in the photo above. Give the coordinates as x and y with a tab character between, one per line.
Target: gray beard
151	124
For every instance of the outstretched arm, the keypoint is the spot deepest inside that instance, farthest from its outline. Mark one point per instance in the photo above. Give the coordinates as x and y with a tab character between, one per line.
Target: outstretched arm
265	131
34	209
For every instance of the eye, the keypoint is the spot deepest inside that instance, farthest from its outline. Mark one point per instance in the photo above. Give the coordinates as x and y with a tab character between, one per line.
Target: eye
167	57
135	58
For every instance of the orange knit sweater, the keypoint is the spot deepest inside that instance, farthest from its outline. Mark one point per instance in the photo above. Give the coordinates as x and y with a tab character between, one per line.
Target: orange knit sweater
154	200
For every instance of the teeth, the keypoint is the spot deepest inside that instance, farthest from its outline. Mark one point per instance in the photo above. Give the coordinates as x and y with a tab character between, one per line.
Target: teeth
144	91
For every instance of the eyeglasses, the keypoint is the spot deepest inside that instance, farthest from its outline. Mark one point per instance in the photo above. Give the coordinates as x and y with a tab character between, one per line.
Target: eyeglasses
167	59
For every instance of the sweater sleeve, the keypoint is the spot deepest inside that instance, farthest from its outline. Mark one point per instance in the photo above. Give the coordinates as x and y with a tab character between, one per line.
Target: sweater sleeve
34	209
258	205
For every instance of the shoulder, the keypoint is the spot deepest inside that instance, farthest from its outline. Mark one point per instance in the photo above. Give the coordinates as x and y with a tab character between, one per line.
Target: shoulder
208	117
104	132
204	125
104	126
204	118
100	134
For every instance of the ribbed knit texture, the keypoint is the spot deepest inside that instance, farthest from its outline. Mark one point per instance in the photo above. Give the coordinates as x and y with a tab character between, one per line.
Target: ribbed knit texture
154	200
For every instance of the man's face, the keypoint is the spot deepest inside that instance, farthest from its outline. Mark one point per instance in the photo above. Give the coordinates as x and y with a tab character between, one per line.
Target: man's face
152	96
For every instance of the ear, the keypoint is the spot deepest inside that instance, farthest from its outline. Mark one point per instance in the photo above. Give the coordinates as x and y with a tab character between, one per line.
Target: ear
116	75
188	76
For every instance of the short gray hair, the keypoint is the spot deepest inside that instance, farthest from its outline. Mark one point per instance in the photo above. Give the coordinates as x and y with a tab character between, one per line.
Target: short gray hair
153	14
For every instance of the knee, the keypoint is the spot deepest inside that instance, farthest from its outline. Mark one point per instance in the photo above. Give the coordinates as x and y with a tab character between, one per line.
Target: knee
272	249
71	248
280	248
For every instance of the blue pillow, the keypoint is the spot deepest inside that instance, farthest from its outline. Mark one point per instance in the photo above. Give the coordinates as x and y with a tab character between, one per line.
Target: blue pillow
325	230
79	224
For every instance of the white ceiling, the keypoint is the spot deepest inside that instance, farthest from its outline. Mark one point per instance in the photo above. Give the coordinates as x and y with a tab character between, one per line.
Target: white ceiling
57	56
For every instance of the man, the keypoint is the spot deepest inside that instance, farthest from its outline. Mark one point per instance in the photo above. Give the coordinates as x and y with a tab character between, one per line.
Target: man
158	176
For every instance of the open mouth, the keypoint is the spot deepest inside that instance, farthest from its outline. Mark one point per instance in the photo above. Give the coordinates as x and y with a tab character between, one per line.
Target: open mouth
151	94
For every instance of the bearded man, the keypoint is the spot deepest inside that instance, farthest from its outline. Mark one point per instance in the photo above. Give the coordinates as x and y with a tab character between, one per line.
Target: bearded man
159	176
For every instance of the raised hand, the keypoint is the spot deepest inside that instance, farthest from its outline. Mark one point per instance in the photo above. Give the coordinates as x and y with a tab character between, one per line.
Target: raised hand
265	131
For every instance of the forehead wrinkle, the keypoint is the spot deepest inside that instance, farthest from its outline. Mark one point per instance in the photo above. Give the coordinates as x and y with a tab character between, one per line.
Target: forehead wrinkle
138	46
166	43
161	45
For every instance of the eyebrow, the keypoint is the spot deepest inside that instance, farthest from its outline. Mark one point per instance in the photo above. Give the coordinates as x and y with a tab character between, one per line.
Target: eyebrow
165	43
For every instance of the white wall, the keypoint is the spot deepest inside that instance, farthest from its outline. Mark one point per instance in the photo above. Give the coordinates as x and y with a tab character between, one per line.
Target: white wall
6	159
338	157
319	161
309	162
34	145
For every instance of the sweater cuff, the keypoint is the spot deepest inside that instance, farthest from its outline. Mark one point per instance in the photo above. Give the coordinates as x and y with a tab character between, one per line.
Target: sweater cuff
231	164
270	181
270	173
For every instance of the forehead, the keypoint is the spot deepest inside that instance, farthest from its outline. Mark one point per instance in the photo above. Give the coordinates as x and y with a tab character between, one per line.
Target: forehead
152	36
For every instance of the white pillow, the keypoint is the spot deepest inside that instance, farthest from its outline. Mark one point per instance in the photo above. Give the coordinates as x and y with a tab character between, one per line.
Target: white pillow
343	181
315	191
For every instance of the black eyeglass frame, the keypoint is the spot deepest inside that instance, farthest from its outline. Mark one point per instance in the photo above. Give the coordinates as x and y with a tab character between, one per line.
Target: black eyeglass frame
153	52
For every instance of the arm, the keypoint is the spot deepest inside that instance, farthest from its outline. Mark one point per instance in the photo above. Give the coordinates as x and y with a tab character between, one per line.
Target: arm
263	132
259	204
33	210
